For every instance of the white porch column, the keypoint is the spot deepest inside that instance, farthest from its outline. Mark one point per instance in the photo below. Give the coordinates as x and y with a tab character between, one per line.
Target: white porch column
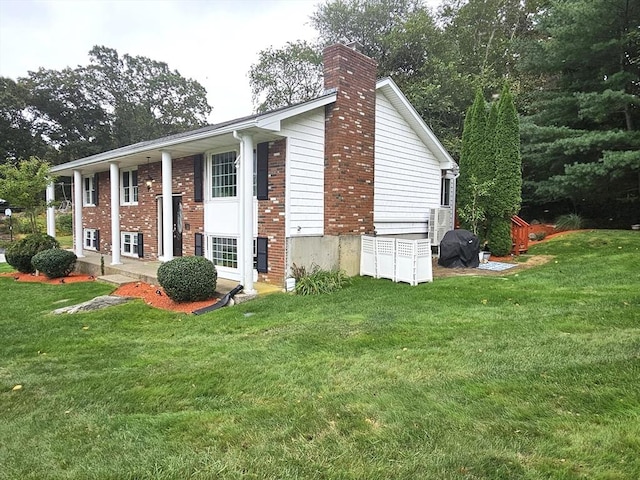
51	210
245	179
77	213
114	180
167	208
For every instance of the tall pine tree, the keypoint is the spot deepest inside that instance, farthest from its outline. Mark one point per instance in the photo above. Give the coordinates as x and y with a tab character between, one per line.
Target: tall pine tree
581	137
490	180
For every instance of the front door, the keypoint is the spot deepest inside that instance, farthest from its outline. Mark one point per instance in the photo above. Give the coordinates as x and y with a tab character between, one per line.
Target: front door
177	226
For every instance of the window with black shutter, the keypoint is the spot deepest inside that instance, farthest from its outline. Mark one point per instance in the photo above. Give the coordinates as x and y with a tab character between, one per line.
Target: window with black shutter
262	264
198	178
262	171
199	244
95	189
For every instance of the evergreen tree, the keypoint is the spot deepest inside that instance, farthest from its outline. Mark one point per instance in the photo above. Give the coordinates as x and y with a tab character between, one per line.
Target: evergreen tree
506	200
499	236
581	140
473	159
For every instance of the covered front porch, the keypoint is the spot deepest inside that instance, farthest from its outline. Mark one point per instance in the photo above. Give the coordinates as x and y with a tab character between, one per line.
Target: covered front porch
132	270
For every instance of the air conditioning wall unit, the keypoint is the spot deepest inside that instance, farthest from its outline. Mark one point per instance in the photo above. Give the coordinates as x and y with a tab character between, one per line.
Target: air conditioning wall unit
440	222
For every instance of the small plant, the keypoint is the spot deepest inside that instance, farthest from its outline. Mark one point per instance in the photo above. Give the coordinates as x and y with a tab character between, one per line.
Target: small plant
188	279
570	221
298	272
65	224
54	263
102	265
473	214
540	236
19	254
316	280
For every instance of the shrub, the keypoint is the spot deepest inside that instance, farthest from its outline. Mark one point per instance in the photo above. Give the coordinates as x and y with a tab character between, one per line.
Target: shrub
19	254
65	224
317	281
188	279
54	263
570	221
541	236
500	242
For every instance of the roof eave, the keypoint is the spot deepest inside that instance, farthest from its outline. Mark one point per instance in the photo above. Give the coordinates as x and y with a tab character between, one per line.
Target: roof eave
268	121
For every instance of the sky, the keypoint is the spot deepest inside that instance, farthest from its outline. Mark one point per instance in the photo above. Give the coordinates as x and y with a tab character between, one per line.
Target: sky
212	41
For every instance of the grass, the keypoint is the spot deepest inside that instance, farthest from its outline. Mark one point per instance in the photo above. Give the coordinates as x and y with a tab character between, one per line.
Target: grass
529	375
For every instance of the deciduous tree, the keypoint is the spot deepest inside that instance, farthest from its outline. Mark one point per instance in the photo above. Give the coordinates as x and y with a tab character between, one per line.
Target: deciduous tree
286	76
23	185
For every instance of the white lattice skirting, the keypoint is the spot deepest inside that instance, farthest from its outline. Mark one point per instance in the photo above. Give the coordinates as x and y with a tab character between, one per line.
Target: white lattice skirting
397	259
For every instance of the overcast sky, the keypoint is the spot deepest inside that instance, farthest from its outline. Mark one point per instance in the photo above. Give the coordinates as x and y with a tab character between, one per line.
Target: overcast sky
211	41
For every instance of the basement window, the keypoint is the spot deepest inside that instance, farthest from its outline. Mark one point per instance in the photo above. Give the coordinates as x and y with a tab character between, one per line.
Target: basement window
90	236
129	244
224	251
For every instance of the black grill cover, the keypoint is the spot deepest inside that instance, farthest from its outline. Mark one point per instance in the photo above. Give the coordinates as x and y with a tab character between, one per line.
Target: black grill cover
459	249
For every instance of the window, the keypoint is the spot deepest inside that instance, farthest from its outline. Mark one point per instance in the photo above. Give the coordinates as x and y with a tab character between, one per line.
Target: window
129	244
223	175
445	199
91	239
224	251
129	189
88	191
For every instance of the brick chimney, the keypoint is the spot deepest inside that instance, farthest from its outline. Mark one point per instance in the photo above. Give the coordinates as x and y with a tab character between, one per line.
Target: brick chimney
349	141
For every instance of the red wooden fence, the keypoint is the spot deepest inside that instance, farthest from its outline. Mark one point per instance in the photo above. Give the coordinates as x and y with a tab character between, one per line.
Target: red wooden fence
519	235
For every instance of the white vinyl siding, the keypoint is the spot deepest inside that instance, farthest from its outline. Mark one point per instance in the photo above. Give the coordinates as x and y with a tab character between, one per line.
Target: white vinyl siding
305	173
407	177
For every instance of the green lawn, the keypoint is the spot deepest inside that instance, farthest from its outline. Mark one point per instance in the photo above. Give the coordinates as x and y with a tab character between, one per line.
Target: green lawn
529	375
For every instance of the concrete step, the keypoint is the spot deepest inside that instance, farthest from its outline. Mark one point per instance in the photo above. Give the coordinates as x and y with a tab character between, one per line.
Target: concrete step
116	279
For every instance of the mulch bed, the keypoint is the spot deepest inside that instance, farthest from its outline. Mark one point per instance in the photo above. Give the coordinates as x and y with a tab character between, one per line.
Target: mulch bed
154	295
33	278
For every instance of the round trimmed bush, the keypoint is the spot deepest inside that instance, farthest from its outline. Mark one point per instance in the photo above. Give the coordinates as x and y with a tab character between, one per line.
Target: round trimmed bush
188	279
19	254
54	263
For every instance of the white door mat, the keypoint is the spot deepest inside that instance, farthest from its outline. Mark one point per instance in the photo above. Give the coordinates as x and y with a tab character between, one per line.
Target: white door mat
496	266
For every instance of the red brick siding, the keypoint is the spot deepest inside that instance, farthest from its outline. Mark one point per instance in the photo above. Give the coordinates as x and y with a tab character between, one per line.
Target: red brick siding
349	142
143	217
192	212
272	215
99	217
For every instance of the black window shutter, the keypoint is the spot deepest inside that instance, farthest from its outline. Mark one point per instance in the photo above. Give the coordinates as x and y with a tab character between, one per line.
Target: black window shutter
199	250
261	248
262	174
140	246
98	240
95	189
198	178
